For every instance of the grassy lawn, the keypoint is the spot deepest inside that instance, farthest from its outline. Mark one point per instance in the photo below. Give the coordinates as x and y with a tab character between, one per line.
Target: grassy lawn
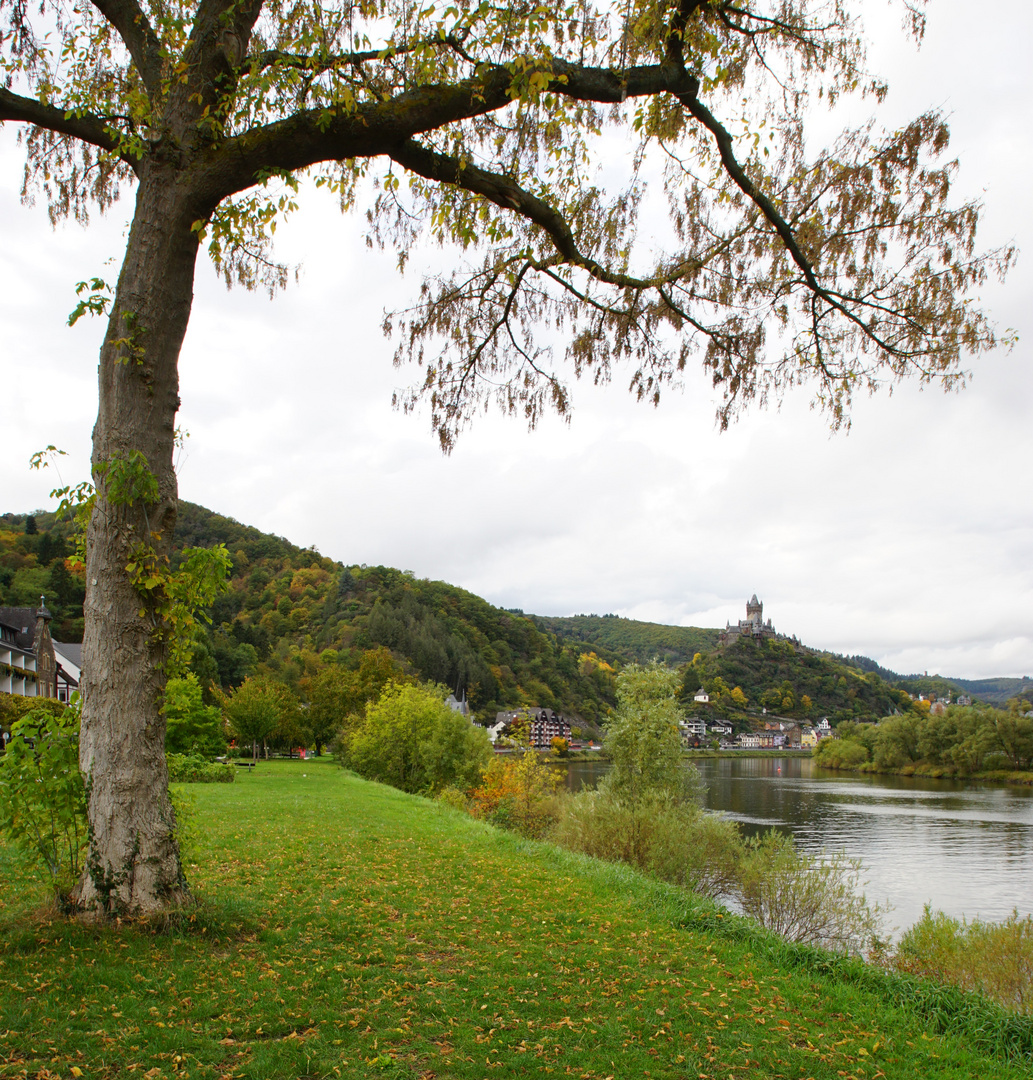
349	930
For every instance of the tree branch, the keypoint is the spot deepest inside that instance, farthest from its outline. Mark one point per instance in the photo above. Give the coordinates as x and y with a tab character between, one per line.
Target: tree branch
214	53
316	65
89	128
777	221
140	39
382	127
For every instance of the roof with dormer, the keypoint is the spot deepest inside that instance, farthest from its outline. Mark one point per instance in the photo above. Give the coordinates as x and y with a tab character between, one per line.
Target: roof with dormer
22	620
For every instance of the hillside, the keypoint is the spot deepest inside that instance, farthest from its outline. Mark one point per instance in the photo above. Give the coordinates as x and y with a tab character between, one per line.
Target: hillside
34	550
349	930
998	691
631	640
789	681
287	605
290	611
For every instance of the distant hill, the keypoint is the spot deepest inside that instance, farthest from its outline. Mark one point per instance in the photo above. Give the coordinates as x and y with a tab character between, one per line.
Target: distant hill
993	691
775	677
630	640
789	681
286	605
998	691
290	610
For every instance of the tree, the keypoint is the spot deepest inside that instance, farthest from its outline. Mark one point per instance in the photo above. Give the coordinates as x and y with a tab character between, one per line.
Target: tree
643	739
847	266
330	695
191	726
253	710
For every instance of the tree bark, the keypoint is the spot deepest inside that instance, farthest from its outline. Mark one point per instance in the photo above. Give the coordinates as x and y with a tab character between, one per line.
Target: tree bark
133	863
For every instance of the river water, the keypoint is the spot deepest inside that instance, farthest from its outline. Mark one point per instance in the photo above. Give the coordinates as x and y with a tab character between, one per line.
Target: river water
965	849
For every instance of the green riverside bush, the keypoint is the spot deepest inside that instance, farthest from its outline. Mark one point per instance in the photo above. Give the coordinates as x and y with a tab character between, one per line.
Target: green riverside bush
409	738
673	841
806	900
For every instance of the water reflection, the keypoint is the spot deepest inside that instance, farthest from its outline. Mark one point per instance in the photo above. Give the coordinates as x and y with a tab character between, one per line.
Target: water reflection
966	849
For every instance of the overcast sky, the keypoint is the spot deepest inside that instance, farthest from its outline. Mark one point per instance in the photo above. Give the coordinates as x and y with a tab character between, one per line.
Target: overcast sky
910	539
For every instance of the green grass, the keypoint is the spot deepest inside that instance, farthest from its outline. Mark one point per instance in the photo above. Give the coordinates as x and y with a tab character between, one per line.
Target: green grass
349	930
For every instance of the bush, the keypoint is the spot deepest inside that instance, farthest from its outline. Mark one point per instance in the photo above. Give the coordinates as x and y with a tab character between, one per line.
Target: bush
995	959
453	797
193	769
517	792
412	740
676	842
805	899
13	707
42	795
840	754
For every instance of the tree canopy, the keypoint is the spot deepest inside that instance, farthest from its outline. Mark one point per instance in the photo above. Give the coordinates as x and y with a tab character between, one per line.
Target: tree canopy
846	266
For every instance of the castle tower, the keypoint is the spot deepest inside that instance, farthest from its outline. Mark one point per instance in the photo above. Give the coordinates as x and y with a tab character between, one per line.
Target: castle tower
755	612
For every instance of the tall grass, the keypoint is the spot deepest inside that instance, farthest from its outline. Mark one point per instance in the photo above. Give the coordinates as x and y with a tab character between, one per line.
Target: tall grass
676	842
995	959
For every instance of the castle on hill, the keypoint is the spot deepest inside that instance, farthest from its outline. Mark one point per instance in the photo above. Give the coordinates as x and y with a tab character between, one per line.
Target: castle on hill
753	627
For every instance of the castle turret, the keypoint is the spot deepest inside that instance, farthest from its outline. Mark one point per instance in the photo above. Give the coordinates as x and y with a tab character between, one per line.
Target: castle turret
755	612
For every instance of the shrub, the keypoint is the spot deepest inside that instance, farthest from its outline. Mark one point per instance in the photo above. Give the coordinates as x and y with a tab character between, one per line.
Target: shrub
995	959
840	754
188	828
676	842
412	740
453	797
516	792
194	769
13	707
804	899
42	795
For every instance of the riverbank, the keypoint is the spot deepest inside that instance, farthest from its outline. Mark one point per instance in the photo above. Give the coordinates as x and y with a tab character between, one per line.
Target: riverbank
347	929
751	753
692	755
923	771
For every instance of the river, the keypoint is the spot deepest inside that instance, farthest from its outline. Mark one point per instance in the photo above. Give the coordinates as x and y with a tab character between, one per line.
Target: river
966	849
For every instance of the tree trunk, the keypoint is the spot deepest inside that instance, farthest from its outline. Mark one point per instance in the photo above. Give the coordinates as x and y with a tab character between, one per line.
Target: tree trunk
133	864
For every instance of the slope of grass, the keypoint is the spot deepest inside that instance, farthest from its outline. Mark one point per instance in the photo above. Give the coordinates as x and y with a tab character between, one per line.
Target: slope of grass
348	930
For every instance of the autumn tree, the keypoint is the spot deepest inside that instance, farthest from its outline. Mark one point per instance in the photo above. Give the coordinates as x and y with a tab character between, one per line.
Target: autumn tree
483	126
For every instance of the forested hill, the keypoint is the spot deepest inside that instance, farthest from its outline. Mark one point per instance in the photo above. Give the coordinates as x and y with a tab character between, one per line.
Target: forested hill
34	551
630	640
999	691
290	611
287	605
